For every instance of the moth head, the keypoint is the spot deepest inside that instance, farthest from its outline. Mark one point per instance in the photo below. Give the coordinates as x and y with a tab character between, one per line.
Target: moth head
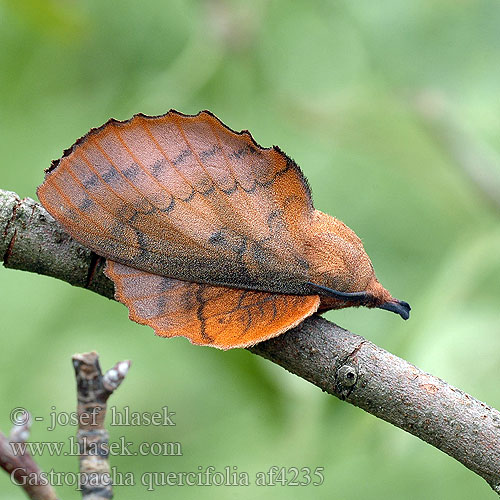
341	271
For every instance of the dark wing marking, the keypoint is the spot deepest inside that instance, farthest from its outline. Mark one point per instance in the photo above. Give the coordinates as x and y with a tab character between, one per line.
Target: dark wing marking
207	315
185	197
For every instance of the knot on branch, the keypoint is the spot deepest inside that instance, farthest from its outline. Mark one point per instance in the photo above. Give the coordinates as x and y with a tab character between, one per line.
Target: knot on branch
346	378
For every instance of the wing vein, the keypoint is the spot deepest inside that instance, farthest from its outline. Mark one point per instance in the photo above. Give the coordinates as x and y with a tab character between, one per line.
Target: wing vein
242	220
179	172
163	216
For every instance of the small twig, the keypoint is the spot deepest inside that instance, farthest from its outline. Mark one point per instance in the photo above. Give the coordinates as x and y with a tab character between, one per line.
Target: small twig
19	464
94	389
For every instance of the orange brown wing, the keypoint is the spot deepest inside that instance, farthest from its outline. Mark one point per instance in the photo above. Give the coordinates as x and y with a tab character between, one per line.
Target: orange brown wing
207	315
185	197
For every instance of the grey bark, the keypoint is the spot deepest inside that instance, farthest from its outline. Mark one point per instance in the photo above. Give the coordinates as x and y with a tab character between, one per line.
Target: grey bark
20	465
93	390
336	360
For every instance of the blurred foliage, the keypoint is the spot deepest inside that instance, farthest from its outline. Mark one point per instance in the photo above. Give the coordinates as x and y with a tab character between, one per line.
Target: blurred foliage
334	84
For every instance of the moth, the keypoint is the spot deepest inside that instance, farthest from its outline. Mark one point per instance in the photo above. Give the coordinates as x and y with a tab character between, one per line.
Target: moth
207	234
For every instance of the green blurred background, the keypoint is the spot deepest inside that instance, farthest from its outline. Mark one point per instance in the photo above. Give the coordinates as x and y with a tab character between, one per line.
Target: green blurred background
342	87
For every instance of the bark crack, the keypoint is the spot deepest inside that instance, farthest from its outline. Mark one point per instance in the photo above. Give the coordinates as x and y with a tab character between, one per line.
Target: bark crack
16	205
10	248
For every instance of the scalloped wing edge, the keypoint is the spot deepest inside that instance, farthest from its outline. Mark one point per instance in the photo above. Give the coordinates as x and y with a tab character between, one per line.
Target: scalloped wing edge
121	297
96	130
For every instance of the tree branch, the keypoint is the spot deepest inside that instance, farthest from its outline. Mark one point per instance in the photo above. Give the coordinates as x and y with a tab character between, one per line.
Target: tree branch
20	465
339	362
93	390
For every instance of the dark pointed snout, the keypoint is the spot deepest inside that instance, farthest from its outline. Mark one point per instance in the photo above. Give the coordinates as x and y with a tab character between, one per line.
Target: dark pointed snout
397	306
